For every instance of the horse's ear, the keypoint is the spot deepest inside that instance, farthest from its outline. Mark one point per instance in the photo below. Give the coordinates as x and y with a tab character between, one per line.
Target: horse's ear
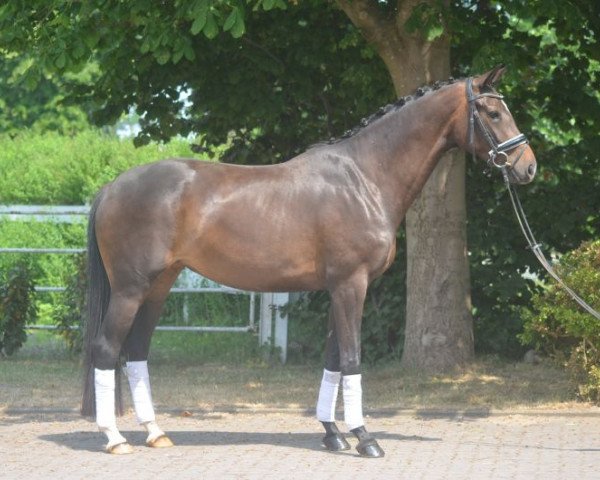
488	80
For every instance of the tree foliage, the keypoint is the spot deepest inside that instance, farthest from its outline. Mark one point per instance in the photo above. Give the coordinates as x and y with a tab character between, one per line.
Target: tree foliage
293	77
552	87
267	82
40	107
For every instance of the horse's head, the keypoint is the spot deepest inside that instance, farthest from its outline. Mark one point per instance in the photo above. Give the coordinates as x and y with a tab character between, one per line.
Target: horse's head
491	131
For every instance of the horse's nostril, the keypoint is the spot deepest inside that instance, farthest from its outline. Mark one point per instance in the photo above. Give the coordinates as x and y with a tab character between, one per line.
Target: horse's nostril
531	169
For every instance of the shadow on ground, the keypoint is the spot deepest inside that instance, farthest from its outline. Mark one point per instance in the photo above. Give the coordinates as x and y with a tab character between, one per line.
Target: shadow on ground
87	441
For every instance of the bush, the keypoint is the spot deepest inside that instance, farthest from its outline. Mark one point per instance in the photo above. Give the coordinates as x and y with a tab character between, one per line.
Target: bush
50	169
69	314
562	329
17	307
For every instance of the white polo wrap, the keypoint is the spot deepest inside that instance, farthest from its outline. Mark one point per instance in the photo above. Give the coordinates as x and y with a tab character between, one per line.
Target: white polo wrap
139	382
328	393
352	392
104	383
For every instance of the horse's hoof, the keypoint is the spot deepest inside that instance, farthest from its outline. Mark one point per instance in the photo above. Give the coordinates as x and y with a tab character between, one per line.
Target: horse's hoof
162	441
370	448
335	443
120	449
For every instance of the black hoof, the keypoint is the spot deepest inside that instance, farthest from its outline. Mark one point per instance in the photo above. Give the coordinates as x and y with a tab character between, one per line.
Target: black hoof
335	443
370	448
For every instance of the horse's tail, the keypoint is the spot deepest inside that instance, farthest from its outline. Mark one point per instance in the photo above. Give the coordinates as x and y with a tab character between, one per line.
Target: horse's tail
98	297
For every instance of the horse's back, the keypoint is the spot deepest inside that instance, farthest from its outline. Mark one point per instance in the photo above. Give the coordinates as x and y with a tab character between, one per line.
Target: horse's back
214	218
290	226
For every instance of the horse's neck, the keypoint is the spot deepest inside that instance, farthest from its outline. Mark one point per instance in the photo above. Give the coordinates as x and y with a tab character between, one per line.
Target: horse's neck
399	152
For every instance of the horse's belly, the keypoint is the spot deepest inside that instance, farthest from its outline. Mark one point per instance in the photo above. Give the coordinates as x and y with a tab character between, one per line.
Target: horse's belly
264	266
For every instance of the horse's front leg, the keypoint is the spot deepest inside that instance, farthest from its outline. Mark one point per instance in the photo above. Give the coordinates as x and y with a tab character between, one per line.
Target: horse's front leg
347	300
328	392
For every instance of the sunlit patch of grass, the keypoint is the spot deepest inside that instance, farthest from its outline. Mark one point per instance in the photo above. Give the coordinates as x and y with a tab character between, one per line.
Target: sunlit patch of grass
198	372
488	381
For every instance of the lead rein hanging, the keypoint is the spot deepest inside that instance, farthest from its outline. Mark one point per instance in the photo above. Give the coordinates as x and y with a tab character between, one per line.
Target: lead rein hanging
536	247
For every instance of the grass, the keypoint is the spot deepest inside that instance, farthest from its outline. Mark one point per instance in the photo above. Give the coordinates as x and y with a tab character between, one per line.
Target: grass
197	372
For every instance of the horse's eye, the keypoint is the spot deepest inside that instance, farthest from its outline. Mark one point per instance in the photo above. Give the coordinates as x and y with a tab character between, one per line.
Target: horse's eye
493	114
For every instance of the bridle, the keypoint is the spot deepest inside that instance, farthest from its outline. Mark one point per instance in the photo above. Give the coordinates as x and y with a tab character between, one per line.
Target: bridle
497	156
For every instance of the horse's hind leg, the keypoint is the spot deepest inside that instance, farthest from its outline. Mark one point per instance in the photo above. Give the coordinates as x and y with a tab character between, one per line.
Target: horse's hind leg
119	317
136	349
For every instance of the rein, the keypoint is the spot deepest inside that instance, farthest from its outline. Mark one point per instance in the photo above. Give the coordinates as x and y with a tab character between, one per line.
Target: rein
536	247
500	149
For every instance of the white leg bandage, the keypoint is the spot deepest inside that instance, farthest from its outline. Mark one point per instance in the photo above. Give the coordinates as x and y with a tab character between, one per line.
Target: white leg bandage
328	396
139	382
352	392
104	382
153	431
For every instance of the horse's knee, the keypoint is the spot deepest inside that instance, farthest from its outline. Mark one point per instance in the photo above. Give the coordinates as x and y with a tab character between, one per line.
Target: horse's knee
350	365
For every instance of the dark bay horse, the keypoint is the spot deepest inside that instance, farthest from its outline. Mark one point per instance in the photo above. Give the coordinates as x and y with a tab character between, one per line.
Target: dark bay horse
326	219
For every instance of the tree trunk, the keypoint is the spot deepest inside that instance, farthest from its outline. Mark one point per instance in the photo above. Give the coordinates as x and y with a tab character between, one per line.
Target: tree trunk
439	327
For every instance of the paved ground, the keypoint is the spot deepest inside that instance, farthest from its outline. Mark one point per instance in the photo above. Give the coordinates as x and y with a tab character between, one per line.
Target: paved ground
562	444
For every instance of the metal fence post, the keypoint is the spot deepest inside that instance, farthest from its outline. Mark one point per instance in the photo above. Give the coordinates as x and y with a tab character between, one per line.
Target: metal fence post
274	333
281	324
265	326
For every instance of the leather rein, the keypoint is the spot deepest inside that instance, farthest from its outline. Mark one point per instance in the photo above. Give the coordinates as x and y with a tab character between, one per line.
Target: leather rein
498	157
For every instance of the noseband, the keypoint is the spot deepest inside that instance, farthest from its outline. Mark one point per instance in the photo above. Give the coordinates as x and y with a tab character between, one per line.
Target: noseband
497	156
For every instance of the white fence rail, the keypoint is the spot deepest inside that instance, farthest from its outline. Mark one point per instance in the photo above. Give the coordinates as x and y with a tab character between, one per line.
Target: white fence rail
272	326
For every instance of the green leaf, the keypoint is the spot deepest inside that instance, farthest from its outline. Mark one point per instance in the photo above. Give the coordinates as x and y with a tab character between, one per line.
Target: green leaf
201	17
198	25
91	38
211	29
434	31
231	20
145	47
61	60
189	53
239	28
163	56
268	4
177	56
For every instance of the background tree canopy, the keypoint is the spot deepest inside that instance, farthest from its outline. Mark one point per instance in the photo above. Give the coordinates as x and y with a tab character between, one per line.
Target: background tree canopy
268	78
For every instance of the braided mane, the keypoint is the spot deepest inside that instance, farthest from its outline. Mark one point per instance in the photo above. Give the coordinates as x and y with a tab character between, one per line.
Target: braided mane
392	107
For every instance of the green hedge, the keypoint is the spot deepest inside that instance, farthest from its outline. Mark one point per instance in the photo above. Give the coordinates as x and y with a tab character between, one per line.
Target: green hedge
50	169
561	328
